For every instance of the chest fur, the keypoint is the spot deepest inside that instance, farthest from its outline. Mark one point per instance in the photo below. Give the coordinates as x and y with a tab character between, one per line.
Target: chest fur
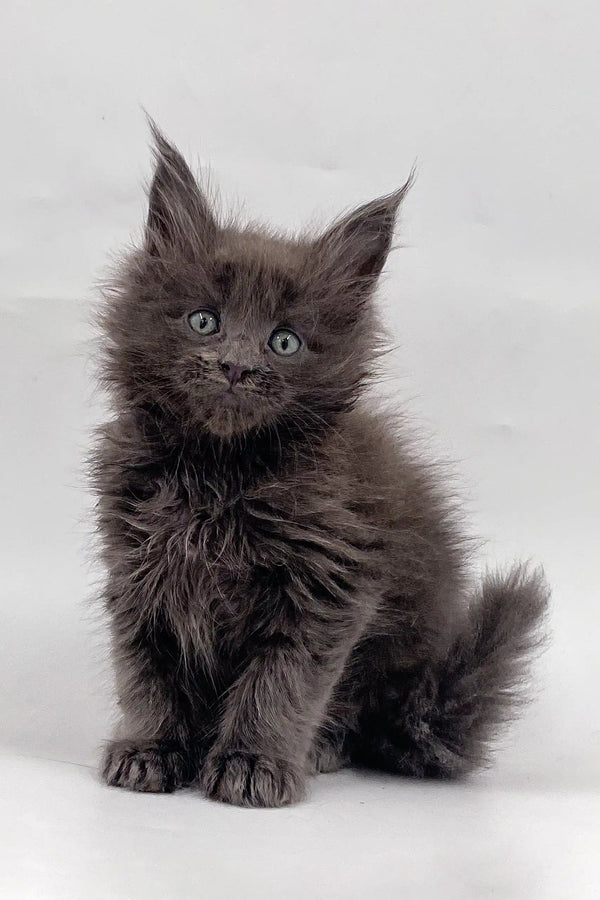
203	565
218	568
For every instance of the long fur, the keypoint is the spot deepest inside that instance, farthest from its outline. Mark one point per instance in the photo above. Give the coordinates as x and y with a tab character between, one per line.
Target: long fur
287	581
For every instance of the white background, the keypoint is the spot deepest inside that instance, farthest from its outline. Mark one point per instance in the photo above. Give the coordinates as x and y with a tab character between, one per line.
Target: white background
302	109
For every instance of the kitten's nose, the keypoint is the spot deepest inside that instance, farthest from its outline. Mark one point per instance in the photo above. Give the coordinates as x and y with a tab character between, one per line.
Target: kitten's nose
234	373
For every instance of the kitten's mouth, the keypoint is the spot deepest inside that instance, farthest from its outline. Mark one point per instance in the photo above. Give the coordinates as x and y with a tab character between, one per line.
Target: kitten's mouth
232	396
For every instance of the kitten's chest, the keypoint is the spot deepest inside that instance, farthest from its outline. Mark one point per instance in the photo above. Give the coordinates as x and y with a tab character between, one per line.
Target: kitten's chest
206	551
199	568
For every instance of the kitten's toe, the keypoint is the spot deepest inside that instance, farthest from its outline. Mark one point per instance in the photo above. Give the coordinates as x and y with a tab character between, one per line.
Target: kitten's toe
145	766
246	779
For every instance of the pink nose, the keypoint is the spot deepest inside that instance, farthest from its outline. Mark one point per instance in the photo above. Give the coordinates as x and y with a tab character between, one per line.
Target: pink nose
234	373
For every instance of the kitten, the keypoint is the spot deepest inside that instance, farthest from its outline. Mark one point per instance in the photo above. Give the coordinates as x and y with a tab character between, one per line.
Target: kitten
287	583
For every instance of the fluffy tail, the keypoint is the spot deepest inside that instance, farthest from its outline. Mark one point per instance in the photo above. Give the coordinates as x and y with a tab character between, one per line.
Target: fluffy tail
440	721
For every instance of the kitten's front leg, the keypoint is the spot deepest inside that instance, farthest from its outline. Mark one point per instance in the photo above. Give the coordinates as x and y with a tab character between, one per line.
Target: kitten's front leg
260	757
155	752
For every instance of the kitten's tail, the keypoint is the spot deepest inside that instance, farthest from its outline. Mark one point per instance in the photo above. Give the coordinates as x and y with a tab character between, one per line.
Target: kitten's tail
441	721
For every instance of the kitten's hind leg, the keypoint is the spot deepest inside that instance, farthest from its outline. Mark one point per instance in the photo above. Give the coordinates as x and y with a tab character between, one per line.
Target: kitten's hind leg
399	731
149	766
328	752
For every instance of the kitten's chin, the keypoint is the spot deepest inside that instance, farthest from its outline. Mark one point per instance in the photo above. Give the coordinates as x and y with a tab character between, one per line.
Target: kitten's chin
227	421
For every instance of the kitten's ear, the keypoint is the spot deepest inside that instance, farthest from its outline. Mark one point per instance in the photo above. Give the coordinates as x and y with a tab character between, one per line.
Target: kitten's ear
179	216
353	251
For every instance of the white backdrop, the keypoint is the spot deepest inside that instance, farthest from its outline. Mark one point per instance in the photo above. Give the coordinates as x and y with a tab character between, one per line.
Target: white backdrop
301	109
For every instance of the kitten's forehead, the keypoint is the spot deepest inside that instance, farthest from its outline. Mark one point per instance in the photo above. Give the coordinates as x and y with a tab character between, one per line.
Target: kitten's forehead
257	275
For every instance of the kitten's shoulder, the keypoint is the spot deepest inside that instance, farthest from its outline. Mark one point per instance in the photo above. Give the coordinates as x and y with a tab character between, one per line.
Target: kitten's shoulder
125	449
377	439
385	467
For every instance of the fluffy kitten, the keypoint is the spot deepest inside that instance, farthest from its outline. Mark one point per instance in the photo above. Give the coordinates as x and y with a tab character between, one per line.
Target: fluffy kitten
286	581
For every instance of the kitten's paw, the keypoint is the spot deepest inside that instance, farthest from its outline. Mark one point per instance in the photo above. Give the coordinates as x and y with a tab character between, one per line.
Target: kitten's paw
145	766
247	779
324	757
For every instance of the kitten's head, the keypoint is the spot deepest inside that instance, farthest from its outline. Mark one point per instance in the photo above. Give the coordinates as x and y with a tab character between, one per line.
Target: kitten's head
228	329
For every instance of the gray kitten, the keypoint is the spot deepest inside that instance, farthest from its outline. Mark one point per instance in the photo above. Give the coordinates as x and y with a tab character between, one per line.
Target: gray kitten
287	583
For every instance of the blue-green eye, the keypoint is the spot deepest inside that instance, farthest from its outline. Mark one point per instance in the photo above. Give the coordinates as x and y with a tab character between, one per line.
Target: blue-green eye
284	342
204	322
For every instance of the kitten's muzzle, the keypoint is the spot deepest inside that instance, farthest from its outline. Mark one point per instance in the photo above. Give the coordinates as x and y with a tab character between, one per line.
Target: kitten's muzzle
234	372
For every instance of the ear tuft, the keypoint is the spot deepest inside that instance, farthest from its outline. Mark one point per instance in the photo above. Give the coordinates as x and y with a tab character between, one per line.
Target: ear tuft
354	249
179	216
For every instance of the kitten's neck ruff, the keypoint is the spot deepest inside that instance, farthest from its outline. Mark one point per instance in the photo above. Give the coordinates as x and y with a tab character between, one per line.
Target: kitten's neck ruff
245	457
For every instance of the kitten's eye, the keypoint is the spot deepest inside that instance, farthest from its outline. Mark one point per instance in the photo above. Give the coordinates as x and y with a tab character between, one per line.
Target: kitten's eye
284	342
204	321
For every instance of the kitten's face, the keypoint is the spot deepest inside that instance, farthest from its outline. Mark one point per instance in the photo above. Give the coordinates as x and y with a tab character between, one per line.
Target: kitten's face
231	330
245	353
234	343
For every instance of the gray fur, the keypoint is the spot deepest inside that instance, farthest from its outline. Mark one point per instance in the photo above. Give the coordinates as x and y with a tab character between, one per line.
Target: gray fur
287	582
